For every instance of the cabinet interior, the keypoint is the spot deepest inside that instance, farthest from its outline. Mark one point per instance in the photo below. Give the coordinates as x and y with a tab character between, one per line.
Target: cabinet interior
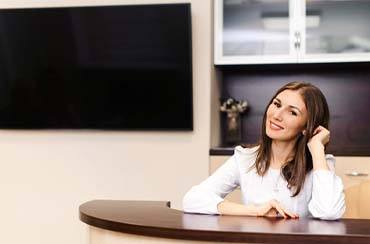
346	87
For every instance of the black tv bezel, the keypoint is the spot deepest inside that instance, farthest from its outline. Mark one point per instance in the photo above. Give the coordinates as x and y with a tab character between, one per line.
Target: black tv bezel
191	86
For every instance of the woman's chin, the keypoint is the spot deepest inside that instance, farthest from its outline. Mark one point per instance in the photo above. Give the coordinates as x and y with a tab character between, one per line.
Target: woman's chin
276	136
273	135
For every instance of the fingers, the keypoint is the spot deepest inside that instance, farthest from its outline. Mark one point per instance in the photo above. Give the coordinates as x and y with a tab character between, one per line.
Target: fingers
282	211
288	213
271	213
319	129
266	210
321	135
273	208
274	213
324	134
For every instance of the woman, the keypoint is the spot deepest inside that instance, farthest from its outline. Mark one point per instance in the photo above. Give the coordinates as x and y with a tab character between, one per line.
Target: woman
288	173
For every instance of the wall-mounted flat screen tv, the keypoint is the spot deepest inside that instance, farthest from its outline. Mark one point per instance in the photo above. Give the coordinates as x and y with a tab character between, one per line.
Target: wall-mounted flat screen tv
102	67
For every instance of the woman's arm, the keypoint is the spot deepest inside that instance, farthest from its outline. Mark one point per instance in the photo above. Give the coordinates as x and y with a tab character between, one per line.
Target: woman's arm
231	208
327	200
318	158
269	209
205	197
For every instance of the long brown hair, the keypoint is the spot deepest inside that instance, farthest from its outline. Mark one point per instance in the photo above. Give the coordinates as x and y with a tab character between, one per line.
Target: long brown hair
295	170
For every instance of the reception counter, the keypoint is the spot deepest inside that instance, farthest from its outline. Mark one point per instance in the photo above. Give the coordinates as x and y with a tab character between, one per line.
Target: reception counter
117	222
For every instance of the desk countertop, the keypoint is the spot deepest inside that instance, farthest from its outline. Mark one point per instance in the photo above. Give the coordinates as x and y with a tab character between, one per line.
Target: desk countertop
153	218
221	151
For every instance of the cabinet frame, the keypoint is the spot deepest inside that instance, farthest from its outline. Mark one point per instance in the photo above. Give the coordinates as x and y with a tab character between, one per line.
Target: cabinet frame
297	42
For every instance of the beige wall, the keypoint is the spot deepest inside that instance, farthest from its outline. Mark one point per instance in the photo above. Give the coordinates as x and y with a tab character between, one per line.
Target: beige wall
46	175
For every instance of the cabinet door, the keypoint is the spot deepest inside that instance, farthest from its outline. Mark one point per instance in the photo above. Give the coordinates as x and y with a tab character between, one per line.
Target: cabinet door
254	31
336	31
355	173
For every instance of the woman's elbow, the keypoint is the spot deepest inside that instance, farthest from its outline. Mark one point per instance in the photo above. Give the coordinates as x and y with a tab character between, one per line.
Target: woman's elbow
191	201
187	202
328	212
200	200
333	215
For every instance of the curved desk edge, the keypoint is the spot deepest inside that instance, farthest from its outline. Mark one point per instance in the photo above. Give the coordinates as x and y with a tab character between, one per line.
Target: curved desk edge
157	219
123	227
150	230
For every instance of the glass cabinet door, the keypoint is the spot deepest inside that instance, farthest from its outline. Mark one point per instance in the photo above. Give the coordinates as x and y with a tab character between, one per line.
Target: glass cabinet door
337	27
249	31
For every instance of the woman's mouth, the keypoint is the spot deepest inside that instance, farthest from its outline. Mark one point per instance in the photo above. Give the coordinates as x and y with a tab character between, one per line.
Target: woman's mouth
274	126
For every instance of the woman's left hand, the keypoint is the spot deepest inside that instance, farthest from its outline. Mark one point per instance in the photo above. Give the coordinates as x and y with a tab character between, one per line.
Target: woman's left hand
320	139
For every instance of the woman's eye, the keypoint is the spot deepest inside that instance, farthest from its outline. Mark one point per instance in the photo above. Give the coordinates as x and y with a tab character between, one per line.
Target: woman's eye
277	104
293	113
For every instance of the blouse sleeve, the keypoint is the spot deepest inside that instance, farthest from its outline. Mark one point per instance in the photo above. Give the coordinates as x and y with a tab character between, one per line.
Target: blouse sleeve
327	200
205	197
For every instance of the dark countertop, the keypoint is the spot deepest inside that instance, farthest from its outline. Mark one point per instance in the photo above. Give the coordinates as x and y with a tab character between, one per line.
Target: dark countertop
153	218
228	151
221	151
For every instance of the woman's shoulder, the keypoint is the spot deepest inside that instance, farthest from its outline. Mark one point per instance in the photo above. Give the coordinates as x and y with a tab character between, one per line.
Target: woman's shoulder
245	156
245	150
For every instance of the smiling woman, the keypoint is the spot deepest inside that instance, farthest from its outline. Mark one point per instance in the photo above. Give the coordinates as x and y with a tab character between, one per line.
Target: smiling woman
288	173
288	105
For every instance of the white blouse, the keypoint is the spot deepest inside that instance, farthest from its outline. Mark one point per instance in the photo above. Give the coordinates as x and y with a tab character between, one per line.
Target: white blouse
321	195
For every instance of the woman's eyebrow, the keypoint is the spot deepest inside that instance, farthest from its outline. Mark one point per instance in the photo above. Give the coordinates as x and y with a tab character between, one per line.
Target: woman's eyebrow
295	108
291	106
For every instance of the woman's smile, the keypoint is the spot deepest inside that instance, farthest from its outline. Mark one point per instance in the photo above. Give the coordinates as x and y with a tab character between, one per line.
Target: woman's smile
275	126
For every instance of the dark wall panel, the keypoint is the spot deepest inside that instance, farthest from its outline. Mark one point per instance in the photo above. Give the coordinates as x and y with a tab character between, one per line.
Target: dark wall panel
346	87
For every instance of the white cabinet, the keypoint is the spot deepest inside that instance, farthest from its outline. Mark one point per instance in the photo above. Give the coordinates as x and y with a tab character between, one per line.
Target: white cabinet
291	31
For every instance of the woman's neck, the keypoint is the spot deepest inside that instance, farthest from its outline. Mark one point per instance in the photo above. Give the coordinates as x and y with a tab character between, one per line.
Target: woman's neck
281	152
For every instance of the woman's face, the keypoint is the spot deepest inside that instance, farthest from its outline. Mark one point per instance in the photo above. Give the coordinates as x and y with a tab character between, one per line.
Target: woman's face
286	116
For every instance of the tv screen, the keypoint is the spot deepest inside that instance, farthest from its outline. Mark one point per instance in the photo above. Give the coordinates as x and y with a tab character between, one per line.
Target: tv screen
103	67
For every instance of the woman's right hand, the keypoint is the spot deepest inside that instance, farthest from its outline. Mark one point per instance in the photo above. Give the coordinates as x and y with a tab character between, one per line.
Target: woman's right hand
272	208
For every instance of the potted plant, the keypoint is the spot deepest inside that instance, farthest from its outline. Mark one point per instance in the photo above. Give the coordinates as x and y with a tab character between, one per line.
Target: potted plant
233	108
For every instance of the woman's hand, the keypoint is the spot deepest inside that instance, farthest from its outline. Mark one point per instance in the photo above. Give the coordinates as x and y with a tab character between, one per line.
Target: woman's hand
316	145
319	140
272	209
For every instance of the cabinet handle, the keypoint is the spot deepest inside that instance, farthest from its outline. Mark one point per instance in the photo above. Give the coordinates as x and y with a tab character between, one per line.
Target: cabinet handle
297	43
355	173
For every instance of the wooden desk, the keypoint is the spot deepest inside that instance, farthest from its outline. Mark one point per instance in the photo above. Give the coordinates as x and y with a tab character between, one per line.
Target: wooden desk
113	222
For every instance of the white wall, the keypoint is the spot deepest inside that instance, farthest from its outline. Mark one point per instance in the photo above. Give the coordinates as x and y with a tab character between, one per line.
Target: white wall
46	175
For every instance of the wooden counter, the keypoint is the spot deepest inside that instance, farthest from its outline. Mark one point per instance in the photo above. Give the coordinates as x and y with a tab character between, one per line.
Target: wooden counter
144	219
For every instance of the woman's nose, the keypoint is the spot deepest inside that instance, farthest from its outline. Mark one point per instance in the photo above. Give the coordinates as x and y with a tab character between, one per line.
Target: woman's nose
278	114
